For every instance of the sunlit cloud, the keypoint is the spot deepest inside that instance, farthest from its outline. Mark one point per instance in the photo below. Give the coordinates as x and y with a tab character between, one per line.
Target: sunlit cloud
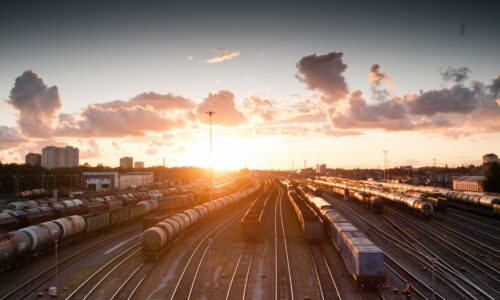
226	112
222	55
121	121
10	136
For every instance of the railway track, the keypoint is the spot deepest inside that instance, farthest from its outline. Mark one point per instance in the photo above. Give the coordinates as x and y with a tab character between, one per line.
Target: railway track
455	252
326	282
488	233
480	246
238	284
28	287
283	285
185	285
89	285
452	278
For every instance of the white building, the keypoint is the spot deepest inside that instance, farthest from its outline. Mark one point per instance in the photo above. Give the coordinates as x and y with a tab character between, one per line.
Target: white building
468	183
60	157
98	181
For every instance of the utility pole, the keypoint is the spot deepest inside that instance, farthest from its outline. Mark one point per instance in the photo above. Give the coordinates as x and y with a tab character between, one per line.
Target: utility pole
210	114
434	162
385	164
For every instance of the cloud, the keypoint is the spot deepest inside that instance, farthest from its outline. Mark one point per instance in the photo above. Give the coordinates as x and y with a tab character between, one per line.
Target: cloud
222	55
454	111
324	73
37	104
456	75
92	150
152	151
283	111
223	104
284	130
10	136
261	109
97	121
388	115
376	77
303	131
457	99
157	101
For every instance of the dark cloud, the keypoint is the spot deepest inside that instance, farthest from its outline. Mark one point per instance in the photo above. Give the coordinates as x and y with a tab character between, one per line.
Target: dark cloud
157	101
457	99
223	104
37	104
324	73
472	108
389	115
123	121
495	87
455	74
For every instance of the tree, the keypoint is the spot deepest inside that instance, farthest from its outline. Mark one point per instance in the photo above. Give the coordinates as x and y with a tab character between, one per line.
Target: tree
491	181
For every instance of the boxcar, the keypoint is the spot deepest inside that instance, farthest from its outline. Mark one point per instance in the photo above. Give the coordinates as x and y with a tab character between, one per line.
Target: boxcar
120	215
96	222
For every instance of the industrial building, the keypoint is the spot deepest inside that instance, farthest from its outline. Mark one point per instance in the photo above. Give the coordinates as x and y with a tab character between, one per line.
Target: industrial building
126	162
139	165
468	183
98	181
33	159
60	157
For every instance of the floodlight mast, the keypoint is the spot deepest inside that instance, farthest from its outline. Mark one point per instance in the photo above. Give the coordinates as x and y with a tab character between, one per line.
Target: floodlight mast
210	114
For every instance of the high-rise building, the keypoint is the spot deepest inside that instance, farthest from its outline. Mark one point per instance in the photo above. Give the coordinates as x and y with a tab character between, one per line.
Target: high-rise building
139	165
321	169
489	159
33	159
126	162
60	157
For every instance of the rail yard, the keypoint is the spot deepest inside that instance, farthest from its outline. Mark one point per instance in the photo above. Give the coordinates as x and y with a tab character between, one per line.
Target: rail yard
264	237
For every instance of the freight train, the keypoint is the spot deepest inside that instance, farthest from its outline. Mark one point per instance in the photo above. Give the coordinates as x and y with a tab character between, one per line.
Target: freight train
363	259
477	201
38	238
310	222
157	239
413	204
26	213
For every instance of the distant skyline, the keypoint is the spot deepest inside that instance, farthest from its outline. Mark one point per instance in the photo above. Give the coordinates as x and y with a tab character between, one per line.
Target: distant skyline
333	82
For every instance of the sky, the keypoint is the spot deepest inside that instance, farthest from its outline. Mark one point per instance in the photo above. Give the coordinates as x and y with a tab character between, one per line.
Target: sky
291	82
